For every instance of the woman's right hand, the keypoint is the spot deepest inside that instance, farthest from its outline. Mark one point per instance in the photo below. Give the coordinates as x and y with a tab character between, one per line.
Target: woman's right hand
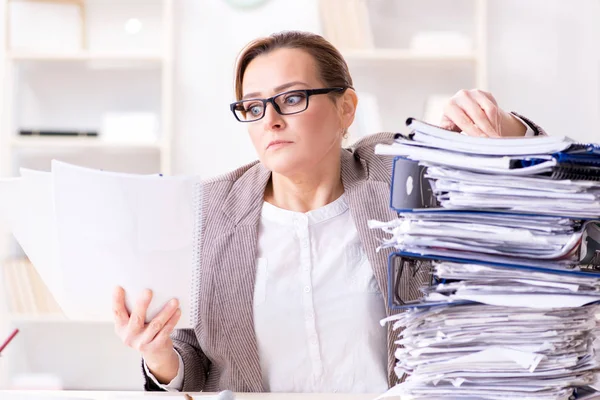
152	340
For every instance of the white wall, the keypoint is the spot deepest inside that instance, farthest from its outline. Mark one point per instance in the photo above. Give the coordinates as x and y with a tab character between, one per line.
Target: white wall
543	62
4	325
208	140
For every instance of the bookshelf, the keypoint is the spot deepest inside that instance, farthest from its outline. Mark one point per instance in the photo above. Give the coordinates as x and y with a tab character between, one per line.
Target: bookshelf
369	55
390	44
155	63
84	56
98	57
78	143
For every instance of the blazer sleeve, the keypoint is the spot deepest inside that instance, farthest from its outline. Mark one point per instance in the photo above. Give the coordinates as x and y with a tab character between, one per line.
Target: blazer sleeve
195	363
539	131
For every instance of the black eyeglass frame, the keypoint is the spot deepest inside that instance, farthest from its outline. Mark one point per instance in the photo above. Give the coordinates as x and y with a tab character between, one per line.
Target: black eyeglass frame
307	92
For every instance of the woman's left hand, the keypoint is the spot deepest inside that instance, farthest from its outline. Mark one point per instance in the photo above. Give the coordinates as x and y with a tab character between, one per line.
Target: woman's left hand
476	113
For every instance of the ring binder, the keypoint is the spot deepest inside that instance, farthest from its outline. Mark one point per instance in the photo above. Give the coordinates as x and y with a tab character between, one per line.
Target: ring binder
575	172
578	159
410	188
425	263
488	280
401	268
587	148
196	254
418	194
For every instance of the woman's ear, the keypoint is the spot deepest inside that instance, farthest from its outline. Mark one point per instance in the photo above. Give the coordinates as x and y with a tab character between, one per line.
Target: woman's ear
349	101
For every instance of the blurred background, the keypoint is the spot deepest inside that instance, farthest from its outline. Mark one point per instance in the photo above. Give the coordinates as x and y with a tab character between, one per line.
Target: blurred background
144	86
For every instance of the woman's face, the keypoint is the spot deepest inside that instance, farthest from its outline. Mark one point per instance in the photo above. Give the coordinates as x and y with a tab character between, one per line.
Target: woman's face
292	144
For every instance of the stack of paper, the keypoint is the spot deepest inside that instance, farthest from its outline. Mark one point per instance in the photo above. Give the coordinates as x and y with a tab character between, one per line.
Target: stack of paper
88	231
509	311
492	352
457	189
487	237
511	287
428	137
489	332
550	175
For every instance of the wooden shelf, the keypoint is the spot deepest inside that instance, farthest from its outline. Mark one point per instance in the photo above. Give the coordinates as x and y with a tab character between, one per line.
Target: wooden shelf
36	142
15	317
84	56
404	55
52	318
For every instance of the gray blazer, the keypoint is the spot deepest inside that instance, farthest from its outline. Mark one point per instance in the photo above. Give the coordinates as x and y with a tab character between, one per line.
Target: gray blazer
221	351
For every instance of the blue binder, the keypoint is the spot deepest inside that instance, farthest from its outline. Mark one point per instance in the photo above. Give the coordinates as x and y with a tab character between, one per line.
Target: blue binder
575	152
411	192
396	303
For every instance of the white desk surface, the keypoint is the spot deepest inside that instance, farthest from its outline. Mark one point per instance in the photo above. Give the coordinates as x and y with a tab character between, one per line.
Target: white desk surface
77	395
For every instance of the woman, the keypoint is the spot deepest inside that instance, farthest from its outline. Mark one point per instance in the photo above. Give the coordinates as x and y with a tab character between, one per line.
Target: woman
291	290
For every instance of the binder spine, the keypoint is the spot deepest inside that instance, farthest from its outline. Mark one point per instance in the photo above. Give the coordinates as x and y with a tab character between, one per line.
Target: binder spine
580	159
399	260
584	148
197	198
574	172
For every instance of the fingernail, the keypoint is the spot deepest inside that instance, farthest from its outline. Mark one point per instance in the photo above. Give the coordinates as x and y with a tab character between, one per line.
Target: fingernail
147	293
173	302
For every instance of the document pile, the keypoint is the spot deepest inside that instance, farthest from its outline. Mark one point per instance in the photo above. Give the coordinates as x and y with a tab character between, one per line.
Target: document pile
493	352
512	251
548	241
522	175
88	231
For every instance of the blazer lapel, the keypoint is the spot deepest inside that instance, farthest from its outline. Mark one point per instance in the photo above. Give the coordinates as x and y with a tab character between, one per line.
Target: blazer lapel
368	201
236	273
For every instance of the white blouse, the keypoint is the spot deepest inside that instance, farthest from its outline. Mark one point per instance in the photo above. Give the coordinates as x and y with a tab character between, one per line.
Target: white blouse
315	285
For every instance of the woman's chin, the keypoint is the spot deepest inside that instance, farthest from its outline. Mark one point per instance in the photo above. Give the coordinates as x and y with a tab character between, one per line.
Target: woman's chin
283	164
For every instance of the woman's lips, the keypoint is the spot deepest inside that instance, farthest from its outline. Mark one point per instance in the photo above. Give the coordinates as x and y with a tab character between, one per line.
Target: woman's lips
278	143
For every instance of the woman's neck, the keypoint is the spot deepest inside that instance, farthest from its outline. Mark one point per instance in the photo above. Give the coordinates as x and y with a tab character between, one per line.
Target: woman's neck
307	191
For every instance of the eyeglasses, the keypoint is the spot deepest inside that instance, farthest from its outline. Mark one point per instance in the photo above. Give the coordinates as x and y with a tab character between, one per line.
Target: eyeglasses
286	103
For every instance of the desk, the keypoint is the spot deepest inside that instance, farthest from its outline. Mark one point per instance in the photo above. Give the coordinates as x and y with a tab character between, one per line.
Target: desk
76	395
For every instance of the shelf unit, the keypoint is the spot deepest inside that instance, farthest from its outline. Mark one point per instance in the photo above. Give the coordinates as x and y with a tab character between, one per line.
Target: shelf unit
386	55
380	54
15	59
84	56
87	58
78	143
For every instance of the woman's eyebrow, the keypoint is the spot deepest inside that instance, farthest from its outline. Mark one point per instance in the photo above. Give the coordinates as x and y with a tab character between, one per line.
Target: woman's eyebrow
276	90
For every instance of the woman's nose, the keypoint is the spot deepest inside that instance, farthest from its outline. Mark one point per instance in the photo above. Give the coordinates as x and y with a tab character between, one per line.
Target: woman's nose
272	118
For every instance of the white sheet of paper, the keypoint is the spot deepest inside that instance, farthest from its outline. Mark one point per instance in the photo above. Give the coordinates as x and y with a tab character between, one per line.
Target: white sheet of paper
486	164
443	138
523	182
123	230
532	300
524	359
